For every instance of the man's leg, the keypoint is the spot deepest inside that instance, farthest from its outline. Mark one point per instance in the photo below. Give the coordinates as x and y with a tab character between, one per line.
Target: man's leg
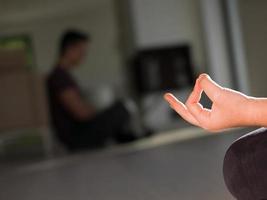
107	124
245	166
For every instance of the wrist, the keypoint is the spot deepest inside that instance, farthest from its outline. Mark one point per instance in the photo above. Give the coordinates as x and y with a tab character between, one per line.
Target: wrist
256	112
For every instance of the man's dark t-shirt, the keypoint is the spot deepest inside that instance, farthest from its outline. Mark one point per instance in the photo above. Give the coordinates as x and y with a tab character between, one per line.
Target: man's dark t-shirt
62	120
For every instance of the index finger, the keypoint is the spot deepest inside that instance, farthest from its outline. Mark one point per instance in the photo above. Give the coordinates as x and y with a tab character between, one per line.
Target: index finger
180	108
210	87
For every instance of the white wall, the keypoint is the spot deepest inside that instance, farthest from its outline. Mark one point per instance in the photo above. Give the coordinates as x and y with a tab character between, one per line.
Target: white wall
239	62
254	23
216	42
45	24
169	22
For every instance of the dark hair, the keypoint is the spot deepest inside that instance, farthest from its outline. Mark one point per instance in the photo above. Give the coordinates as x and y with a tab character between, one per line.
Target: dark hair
71	37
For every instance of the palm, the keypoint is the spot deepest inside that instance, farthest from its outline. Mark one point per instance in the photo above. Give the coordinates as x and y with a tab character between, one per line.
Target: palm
216	115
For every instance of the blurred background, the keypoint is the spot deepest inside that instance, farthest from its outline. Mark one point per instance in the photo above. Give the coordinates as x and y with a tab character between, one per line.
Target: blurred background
139	50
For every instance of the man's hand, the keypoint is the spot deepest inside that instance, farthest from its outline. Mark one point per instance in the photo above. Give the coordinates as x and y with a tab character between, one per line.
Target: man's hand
229	108
73	102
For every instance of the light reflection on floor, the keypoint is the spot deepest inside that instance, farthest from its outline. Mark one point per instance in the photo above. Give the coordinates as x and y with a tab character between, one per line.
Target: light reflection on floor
168	166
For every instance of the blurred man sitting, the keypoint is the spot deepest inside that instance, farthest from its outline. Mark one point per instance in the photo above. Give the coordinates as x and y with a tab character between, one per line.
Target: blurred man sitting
75	122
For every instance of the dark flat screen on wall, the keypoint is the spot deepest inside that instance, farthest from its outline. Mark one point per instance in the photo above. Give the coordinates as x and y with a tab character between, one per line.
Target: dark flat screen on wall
164	68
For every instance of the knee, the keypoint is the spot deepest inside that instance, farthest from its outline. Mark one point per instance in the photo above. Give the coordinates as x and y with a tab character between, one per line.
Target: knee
245	165
232	170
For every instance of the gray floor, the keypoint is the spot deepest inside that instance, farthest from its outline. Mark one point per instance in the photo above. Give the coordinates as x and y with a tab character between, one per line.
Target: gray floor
186	170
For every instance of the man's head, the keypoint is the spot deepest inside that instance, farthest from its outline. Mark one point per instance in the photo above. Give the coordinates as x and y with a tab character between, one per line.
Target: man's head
73	46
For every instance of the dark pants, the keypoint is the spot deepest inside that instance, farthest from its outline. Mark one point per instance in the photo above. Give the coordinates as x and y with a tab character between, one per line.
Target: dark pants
94	133
245	166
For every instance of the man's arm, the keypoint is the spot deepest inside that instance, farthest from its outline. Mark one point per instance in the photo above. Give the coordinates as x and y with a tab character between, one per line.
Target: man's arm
73	102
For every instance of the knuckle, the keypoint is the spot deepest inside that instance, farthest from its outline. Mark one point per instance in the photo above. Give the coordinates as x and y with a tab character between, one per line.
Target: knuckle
219	94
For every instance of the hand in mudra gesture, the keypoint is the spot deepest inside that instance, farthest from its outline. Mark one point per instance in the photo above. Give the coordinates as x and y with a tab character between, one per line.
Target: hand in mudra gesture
229	108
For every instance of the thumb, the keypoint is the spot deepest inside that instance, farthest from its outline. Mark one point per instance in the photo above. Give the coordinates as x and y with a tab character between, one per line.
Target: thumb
210	87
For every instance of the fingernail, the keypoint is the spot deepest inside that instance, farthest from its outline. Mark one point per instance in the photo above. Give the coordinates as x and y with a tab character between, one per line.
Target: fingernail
167	96
206	75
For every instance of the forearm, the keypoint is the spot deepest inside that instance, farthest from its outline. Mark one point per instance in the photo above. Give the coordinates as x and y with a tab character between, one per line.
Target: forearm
84	112
257	112
75	105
